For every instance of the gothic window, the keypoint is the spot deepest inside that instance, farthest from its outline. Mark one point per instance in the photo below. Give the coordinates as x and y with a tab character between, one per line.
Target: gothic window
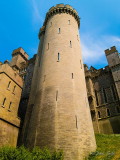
58	57
108	112
99	115
70	44
69	22
9	85
3	102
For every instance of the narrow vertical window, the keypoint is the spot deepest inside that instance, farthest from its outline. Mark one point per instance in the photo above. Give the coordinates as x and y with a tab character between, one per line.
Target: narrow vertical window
80	64
59	31
14	89
96	96
105	97
48	45
72	76
3	102
10	106
99	115
69	22
77	37
50	23
113	92
9	85
70	44
76	122
56	95
58	57
108	112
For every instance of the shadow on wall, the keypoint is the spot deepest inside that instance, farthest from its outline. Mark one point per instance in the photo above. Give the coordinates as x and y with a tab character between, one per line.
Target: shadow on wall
115	124
110	125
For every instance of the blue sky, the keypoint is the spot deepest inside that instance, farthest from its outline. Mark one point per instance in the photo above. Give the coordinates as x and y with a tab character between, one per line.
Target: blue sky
20	21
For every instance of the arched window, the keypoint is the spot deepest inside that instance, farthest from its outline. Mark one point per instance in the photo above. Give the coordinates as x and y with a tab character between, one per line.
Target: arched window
99	115
108	112
58	57
9	85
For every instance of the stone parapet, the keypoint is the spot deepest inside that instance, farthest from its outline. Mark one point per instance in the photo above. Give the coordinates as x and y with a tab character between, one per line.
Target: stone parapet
21	52
58	9
111	50
13	75
61	8
42	31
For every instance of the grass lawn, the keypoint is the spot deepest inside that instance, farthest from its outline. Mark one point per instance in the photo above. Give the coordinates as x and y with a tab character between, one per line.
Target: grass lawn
108	147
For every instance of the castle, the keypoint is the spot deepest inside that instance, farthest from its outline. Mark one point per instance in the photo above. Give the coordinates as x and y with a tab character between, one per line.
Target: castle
44	100
103	88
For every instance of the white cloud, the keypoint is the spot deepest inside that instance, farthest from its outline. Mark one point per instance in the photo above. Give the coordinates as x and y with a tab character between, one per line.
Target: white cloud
93	48
37	18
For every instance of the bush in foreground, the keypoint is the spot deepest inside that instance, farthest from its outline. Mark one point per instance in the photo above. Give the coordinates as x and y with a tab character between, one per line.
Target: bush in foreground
21	153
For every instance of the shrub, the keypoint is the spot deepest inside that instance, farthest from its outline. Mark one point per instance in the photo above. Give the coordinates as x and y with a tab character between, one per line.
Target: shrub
21	153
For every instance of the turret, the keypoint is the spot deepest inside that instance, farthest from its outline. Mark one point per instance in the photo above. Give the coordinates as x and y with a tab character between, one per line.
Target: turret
58	114
113	58
19	58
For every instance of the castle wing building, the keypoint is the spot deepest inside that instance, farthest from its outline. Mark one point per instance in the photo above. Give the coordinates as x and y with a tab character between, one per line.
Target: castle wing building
103	88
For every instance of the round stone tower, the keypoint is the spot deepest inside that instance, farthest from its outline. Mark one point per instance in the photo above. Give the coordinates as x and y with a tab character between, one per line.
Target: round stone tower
58	114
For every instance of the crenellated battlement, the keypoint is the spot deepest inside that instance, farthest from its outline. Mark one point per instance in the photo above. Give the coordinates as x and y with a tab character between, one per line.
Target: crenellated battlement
21	52
58	9
42	31
111	50
61	8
